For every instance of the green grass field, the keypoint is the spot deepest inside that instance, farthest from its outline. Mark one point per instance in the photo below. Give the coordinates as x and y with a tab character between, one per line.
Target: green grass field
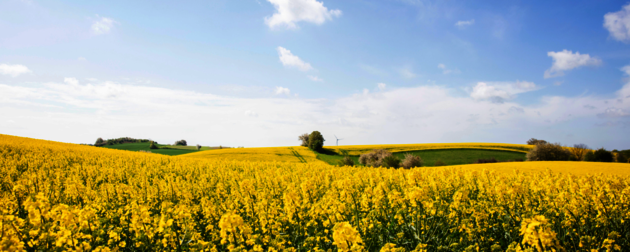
163	149
448	156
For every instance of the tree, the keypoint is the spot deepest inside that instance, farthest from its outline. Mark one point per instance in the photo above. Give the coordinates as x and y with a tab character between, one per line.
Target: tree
152	145
99	142
304	139
602	155
198	147
579	151
391	161
534	141
181	142
316	141
548	152
620	157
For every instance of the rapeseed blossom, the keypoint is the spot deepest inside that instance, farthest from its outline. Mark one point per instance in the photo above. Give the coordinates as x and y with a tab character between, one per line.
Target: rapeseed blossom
60	197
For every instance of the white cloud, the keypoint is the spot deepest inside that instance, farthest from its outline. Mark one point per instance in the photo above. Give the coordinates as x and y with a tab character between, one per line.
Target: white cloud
464	24
618	24
314	78
80	112
282	90
13	70
289	60
82	59
566	60
103	25
290	12
501	91
382	86
406	72
448	71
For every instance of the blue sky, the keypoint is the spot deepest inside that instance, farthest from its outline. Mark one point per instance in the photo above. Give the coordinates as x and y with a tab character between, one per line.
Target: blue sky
260	72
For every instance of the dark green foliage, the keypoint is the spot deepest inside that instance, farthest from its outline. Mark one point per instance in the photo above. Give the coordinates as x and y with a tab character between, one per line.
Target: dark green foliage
181	143
439	162
316	141
621	158
153	146
602	155
346	161
486	160
534	141
391	162
548	152
590	156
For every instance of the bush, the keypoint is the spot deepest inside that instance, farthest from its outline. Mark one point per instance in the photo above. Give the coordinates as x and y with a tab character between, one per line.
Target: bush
198	147
590	156
548	152
304	139
411	161
391	161
316	141
534	141
152	145
485	161
439	162
602	155
346	161
374	158
181	143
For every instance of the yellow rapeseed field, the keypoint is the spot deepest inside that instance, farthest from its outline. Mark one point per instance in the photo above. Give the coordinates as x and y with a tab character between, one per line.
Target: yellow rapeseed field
360	149
297	154
576	168
60	197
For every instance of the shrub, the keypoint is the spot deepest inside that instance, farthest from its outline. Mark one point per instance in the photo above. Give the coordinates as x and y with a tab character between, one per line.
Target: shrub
411	161
181	143
316	141
548	152
485	161
346	161
374	158
304	139
579	151
602	155
439	162
198	147
152	145
534	141
391	161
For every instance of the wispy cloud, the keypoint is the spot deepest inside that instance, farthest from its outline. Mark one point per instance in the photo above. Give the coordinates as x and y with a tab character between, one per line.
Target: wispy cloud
406	72
315	78
448	71
289	60
103	25
464	24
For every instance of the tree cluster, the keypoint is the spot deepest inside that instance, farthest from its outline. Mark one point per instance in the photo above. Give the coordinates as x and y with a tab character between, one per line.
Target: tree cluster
121	140
181	143
384	158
